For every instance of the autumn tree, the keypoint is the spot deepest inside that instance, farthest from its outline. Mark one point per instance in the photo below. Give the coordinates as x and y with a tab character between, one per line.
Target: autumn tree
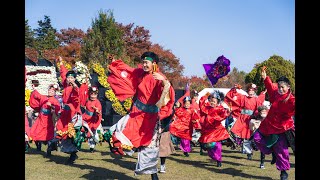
32	54
198	83
234	77
169	64
276	67
104	38
71	40
45	36
136	41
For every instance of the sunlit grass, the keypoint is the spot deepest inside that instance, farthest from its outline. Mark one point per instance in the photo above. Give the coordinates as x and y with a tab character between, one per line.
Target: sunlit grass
103	165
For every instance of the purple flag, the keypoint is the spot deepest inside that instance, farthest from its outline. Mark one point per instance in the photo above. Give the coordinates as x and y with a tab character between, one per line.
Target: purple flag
217	70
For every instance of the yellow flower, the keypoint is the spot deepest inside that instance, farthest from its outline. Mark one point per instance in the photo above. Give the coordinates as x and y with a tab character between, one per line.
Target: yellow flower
27	96
116	105
126	147
66	64
127	103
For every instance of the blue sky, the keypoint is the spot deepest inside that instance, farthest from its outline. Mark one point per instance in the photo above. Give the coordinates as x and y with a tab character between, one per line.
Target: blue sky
196	31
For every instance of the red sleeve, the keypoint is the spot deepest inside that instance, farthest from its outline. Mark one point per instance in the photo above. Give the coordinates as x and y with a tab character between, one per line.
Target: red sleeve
123	79
272	88
195	115
34	100
290	107
261	98
75	99
166	110
235	104
202	104
66	94
83	93
63	74
219	114
71	95
98	105
179	112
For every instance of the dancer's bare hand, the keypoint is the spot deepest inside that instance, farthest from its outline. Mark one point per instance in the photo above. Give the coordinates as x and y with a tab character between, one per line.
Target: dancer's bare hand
158	76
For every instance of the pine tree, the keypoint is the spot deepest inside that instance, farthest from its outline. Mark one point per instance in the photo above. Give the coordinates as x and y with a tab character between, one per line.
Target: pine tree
104	38
45	36
28	36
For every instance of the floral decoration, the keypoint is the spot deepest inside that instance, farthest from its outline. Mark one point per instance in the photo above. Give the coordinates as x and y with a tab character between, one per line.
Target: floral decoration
83	74
27	96
46	75
116	105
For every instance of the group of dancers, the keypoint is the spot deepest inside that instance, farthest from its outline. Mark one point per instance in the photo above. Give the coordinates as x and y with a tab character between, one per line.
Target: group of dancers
69	123
234	119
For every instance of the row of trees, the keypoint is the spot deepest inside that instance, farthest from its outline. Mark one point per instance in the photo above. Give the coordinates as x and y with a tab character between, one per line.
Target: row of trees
128	42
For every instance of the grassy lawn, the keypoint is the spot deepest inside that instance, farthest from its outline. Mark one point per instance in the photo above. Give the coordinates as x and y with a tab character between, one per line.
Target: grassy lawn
104	165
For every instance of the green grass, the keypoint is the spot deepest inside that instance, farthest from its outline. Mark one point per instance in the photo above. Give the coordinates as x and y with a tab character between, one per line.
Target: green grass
103	165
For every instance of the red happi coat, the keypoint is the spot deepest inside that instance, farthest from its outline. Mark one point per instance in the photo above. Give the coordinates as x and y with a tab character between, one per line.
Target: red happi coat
182	126
93	120
83	89
212	130
64	119
43	127
241	126
194	104
280	115
234	104
71	98
126	82
71	95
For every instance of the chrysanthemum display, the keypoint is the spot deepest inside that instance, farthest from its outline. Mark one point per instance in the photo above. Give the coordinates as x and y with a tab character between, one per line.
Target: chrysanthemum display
46	75
83	74
116	105
27	96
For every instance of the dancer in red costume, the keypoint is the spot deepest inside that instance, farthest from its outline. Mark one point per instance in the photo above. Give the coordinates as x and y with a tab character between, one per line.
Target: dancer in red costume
26	121
69	123
184	119
43	128
212	131
92	117
275	132
67	78
243	107
154	99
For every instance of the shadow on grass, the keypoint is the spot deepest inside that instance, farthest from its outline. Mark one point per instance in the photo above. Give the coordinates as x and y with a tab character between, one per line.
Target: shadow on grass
101	173
212	167
95	172
33	151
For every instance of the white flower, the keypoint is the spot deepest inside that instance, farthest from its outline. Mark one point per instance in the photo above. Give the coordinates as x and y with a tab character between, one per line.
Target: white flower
45	79
84	72
253	86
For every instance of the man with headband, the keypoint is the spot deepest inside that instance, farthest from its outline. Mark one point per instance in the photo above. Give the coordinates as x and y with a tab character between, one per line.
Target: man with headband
154	99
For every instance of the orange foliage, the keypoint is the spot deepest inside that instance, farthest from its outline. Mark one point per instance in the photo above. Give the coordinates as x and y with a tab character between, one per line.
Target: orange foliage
32	54
137	41
72	39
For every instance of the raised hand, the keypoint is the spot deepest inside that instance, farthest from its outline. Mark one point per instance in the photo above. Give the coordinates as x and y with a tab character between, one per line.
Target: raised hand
158	76
263	72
